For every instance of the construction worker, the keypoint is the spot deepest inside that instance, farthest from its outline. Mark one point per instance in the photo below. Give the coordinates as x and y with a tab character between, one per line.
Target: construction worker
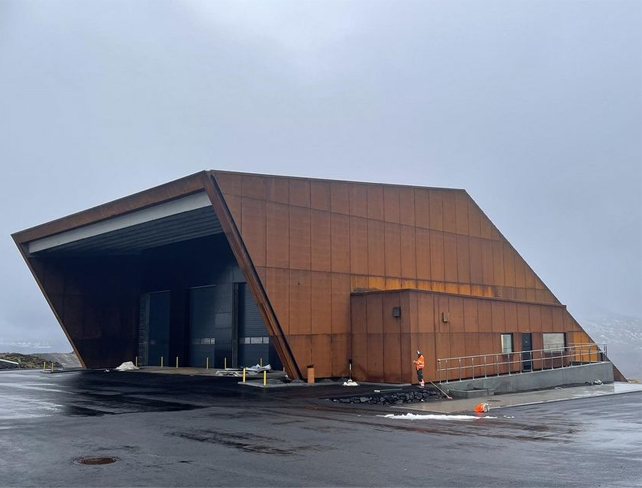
419	363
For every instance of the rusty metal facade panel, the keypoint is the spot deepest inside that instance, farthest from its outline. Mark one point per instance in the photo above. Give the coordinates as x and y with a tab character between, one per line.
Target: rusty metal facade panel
312	242
445	326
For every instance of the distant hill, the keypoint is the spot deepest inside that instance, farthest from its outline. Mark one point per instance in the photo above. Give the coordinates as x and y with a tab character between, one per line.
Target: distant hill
623	336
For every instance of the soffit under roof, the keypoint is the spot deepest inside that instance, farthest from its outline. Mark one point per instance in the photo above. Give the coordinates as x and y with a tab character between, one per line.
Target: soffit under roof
182	219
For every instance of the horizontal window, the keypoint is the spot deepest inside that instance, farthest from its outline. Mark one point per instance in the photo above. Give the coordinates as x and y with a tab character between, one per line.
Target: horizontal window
553	342
254	340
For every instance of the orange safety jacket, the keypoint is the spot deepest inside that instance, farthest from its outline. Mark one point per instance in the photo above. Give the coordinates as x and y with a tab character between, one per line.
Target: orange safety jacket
420	362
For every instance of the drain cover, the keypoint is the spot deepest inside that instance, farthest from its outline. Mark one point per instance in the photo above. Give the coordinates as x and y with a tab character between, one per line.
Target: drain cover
93	461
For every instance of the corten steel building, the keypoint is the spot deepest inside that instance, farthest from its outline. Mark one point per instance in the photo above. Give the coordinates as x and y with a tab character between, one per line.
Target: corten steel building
232	268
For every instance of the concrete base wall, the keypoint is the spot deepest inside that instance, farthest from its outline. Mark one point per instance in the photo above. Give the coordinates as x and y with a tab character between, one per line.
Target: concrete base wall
537	380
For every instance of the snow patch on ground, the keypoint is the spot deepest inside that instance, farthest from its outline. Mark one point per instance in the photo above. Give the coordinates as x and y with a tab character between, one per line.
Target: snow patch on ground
415	416
127	366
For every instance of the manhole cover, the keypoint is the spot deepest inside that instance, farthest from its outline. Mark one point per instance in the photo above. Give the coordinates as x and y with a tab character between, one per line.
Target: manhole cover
93	461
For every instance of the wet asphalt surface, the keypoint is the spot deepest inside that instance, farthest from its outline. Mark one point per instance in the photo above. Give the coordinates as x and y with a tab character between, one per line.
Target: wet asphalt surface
169	430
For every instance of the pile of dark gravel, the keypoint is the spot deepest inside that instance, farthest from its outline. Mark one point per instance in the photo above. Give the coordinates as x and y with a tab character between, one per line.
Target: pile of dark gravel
393	398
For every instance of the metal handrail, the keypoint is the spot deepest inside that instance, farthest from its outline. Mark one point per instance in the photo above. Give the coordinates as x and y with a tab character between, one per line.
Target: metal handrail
519	362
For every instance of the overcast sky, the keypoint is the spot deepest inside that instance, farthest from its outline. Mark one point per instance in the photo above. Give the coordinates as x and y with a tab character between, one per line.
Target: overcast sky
534	107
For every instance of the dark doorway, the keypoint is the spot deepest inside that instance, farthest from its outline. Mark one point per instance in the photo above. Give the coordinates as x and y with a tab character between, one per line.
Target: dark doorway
159	318
527	355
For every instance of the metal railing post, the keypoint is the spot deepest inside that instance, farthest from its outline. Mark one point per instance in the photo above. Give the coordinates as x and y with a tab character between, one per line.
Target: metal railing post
485	368
472	362
459	369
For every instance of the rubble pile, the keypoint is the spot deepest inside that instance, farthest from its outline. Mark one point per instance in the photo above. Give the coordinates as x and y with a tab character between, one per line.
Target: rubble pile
396	398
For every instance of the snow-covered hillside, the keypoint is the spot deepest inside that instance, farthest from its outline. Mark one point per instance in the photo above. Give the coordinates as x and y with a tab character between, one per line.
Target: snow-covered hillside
623	336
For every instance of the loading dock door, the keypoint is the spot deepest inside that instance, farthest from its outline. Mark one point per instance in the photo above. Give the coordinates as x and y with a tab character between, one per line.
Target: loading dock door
211	326
254	342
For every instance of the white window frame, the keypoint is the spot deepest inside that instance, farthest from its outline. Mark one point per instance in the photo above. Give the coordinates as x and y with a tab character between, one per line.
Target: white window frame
506	342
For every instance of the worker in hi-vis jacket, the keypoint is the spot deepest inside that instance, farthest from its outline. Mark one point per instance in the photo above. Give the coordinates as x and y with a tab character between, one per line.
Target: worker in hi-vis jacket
419	363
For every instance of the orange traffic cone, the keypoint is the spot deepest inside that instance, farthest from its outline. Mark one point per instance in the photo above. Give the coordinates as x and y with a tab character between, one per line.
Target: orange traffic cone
481	408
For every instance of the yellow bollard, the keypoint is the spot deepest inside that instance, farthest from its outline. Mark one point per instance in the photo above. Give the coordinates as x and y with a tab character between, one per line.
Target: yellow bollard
177	361
161	361
225	363
260	361
207	363
44	366
243	375
52	366
264	378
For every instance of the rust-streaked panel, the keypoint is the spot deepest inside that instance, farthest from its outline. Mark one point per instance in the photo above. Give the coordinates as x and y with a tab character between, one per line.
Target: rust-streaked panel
450	257
340	354
359	200
509	265
498	310
436	210
375	356
408	252
300	192
340	197
359	245
254	232
535	318
450	211
253	186
278	235
456	309
422	251
340	236
474	219
320	243
230	184
300	243
425	314
374	313
278	289
392	358
523	322
321	345
498	263
392	243
471	320
375	202
422	208
278	190
359	348
461	209
320	195
340	303
391	204
390	323
407	206
321	302
300	302
463	259
376	261
437	255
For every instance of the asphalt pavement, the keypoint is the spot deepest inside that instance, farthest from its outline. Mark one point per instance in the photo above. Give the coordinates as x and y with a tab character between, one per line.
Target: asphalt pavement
168	430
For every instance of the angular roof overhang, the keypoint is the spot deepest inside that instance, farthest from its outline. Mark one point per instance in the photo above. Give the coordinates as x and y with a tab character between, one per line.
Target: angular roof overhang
186	208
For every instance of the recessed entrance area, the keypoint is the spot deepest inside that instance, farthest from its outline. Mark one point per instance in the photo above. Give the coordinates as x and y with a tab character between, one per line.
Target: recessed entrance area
195	306
156	285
